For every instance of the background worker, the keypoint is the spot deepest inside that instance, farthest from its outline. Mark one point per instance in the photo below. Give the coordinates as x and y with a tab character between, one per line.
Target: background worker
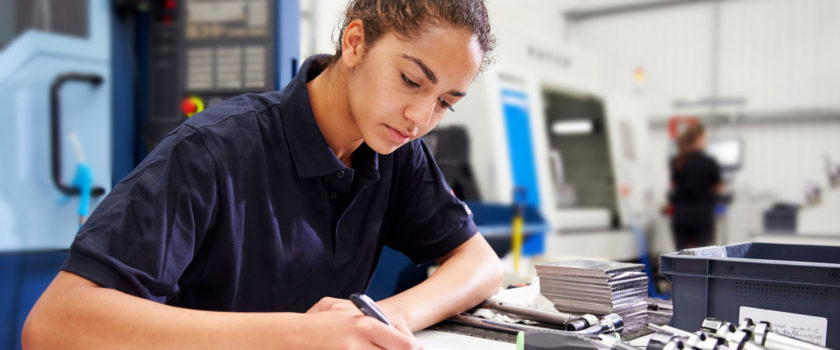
695	183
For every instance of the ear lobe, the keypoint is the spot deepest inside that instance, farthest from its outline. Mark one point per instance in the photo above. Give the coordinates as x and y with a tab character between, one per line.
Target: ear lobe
353	43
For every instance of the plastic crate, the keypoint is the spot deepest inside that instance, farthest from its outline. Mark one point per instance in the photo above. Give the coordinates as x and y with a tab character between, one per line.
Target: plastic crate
717	281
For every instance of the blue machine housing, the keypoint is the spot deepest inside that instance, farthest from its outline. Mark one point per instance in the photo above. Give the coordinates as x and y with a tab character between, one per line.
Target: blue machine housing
99	82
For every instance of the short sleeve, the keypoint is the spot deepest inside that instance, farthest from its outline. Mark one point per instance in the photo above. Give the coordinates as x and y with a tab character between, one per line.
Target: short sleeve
144	234
428	221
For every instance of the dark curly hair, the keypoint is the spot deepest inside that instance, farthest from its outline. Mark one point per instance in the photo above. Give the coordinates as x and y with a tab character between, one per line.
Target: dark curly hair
406	18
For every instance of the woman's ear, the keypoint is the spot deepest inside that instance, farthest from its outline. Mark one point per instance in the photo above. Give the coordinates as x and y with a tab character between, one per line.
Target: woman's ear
353	43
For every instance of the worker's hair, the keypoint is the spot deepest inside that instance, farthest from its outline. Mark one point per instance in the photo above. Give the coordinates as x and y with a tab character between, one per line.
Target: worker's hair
685	143
407	18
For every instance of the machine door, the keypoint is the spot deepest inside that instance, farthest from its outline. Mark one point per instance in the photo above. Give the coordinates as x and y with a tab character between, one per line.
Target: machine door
55	107
54	85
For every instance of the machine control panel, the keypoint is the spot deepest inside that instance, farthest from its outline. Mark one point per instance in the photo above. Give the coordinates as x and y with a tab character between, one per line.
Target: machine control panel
203	52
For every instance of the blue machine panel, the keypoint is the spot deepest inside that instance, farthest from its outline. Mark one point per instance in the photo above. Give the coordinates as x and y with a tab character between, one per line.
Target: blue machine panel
101	55
38	221
521	150
34	213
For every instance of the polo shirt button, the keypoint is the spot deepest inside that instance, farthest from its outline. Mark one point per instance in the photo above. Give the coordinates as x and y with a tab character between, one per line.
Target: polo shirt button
340	174
333	195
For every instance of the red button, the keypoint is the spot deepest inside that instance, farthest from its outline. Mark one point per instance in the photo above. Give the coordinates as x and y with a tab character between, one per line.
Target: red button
188	106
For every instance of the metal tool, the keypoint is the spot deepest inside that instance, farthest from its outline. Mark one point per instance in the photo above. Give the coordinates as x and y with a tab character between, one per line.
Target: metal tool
718	334
718	327
705	341
665	341
582	322
610	323
558	318
670	330
697	340
741	340
571	322
510	328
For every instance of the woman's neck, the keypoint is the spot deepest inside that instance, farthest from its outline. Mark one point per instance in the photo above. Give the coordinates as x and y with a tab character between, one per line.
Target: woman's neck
331	107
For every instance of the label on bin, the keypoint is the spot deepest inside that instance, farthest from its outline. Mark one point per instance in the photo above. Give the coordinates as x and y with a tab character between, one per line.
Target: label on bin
808	328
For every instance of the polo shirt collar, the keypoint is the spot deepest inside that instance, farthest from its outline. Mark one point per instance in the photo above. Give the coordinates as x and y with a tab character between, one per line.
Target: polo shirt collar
311	154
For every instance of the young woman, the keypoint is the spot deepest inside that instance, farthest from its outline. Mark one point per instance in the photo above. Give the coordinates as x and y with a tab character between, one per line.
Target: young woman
695	183
250	224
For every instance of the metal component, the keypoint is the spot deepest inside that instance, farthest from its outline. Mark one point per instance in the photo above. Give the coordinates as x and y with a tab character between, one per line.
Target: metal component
584	321
675	345
670	330
711	324
695	339
737	339
614	342
712	342
760	331
511	328
558	318
719	335
747	324
725	329
661	340
610	323
740	340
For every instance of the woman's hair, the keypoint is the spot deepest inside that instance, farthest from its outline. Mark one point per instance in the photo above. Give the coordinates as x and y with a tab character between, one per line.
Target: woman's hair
407	18
686	141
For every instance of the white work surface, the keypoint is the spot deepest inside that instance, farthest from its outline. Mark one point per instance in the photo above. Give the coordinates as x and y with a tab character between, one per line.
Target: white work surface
438	340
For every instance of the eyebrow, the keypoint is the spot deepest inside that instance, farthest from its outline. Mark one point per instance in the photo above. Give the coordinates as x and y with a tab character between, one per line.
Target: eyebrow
429	74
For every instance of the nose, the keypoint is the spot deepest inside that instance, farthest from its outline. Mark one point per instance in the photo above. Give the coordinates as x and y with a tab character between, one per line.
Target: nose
420	113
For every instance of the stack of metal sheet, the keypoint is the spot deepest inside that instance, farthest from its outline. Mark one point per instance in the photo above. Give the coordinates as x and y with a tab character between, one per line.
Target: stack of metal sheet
597	287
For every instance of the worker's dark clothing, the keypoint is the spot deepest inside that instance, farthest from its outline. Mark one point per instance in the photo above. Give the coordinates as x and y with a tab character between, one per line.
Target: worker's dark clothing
693	200
245	207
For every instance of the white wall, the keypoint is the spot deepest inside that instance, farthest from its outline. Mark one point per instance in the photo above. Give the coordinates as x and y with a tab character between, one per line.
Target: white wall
320	18
318	26
779	55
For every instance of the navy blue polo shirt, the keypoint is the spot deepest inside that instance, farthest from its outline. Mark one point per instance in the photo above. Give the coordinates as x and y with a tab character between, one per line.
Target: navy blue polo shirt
244	207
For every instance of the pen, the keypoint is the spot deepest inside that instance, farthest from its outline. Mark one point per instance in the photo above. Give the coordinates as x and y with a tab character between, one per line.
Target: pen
368	307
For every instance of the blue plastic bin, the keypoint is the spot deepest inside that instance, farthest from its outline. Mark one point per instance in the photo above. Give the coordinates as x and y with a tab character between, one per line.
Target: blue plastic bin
716	281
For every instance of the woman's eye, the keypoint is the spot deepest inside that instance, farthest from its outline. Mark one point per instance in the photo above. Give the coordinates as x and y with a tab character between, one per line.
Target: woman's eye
408	81
445	104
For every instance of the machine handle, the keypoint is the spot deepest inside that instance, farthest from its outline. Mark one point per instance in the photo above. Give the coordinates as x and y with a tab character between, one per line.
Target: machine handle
55	127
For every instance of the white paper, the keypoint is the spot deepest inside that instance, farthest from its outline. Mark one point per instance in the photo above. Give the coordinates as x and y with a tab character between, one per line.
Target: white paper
808	328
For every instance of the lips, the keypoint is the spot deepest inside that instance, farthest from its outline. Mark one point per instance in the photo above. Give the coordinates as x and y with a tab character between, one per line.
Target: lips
398	135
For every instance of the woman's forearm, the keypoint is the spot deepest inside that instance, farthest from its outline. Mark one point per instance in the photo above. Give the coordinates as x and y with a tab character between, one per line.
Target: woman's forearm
75	313
466	277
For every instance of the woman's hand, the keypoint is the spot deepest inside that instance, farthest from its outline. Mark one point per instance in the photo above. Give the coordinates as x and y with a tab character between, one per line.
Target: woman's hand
346	306
347	329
